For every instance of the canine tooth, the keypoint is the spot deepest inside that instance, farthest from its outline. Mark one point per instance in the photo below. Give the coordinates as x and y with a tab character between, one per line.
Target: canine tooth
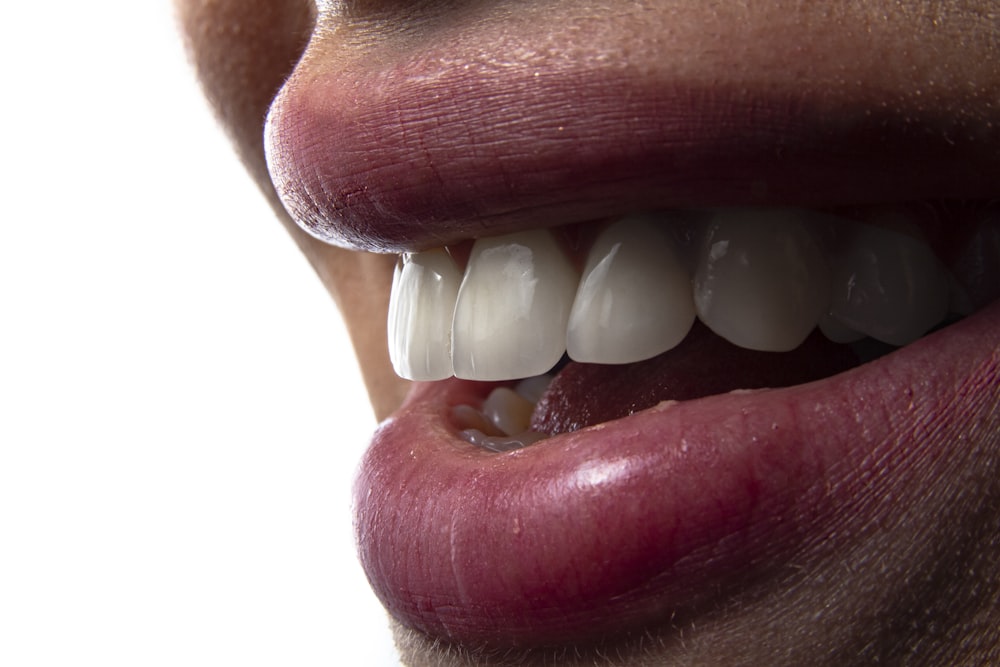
421	306
634	300
762	282
888	285
513	305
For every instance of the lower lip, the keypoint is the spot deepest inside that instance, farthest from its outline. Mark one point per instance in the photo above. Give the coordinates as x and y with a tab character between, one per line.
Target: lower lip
625	524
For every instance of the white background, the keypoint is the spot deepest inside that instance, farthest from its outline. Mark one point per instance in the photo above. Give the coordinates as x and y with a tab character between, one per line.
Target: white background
180	414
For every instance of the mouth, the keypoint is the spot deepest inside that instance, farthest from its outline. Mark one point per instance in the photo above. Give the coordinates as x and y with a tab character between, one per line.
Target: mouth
663	355
761	281
687	444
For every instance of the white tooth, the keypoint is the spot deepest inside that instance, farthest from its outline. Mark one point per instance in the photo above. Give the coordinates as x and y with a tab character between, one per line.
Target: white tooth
634	300
837	331
888	285
421	306
468	418
510	320
762	282
508	411
532	389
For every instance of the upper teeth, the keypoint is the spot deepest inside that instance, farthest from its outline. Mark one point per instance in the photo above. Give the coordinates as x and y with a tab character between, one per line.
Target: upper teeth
886	286
513	305
761	279
634	300
762	282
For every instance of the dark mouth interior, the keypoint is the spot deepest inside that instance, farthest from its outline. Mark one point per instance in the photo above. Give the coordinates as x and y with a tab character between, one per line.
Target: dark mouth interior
703	364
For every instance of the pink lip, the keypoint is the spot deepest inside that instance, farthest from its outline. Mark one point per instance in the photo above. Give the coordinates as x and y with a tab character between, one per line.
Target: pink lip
386	161
616	527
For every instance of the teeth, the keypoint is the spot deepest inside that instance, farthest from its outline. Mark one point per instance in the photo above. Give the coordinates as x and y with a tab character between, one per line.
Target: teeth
634	301
533	388
888	285
504	423
762	282
508	411
513	306
502	443
424	290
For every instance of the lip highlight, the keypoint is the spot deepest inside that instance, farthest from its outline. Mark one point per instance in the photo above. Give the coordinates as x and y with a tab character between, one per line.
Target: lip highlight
658	515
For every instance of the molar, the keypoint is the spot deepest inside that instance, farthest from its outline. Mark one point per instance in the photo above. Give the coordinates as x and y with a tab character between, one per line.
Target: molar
634	300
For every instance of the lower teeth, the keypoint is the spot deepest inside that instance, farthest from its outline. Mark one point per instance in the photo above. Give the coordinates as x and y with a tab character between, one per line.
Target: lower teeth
504	422
502	443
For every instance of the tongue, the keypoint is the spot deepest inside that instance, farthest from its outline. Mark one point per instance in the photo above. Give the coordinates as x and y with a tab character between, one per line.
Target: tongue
704	364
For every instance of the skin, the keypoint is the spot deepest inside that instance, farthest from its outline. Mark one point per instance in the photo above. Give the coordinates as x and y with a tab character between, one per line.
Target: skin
922	588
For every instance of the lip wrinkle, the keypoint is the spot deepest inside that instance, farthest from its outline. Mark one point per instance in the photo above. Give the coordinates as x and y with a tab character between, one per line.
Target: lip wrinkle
459	159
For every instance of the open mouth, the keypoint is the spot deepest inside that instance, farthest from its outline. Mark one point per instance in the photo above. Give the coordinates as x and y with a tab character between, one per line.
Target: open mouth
669	345
759	282
516	509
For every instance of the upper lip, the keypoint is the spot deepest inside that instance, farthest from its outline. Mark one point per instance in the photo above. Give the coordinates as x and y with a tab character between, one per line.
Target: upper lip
410	161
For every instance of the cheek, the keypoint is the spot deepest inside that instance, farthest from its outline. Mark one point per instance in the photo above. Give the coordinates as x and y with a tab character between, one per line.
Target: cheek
242	51
360	283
